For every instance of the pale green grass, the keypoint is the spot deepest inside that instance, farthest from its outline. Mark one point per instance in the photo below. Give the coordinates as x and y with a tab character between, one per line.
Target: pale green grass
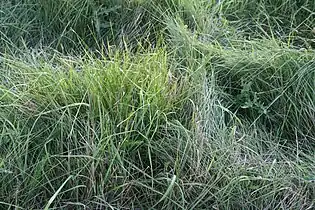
171	104
93	119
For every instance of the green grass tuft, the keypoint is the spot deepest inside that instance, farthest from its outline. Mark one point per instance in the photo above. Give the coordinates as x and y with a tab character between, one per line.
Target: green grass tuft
172	104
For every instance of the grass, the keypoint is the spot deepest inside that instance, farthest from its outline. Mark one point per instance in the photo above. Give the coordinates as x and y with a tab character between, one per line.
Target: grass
169	104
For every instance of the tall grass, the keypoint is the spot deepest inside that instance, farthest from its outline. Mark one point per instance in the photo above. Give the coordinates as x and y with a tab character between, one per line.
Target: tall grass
291	21
66	25
171	104
91	119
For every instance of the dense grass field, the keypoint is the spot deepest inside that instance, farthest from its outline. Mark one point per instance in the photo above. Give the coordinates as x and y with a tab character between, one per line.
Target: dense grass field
157	104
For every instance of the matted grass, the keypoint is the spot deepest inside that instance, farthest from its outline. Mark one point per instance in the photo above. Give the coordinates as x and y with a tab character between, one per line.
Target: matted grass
171	104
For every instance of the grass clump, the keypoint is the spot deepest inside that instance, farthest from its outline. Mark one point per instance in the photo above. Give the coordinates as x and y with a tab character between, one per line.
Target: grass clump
101	114
169	104
265	81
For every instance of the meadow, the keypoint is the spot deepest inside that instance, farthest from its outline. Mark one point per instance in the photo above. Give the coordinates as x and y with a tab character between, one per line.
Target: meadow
157	104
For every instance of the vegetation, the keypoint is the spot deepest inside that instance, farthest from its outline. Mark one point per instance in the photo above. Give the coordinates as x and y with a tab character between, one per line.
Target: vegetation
157	104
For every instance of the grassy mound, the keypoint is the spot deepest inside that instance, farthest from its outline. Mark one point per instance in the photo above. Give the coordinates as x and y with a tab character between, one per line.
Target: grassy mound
171	104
